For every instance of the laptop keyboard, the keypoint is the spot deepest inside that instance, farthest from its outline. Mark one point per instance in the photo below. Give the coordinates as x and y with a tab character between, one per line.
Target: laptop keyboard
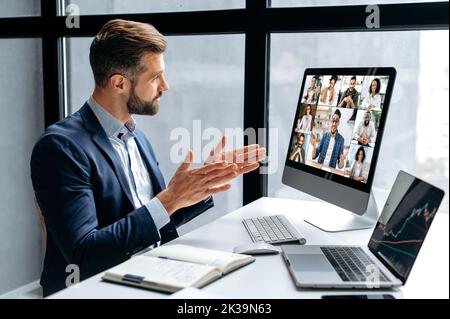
274	229
351	263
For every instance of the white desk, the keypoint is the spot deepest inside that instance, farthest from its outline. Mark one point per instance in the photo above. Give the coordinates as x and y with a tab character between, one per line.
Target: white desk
268	276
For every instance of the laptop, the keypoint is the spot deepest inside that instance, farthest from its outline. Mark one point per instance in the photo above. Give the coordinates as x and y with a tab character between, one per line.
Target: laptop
388	258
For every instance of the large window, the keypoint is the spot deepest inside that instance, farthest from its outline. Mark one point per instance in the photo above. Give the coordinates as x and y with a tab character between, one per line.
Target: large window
19	8
206	75
142	6
416	134
22	109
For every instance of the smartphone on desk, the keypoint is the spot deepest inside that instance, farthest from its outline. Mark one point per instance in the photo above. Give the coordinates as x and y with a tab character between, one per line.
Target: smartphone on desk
373	296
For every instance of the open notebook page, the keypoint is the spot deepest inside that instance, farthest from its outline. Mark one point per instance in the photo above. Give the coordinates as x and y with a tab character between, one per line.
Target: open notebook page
220	259
168	272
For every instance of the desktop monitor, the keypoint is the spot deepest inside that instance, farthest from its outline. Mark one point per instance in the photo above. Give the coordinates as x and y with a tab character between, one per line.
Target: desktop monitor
336	137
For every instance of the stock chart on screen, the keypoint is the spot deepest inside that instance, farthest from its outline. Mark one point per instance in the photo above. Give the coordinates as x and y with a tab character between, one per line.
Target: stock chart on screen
397	238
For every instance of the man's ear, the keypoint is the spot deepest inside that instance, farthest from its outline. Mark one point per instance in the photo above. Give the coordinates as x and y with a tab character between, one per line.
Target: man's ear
117	83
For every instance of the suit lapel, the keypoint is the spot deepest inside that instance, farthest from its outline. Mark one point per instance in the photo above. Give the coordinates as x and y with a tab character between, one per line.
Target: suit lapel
102	141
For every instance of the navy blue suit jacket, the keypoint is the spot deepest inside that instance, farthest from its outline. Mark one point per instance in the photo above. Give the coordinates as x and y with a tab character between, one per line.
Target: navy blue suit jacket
81	188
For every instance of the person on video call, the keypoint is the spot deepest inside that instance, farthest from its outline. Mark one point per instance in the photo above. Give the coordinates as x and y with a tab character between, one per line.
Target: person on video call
305	124
96	177
298	154
328	92
312	93
365	132
350	98
373	100
330	151
357	171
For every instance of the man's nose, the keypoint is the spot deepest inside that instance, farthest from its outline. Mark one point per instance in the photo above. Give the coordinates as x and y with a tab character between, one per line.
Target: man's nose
164	85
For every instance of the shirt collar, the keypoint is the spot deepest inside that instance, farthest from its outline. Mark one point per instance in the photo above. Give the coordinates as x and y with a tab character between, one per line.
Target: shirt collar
110	124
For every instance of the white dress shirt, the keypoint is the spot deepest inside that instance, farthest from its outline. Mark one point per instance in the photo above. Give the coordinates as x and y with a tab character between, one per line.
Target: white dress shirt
367	131
372	100
305	124
138	178
329	151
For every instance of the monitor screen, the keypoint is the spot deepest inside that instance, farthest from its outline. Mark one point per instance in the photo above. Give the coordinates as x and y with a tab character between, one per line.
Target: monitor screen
404	223
339	123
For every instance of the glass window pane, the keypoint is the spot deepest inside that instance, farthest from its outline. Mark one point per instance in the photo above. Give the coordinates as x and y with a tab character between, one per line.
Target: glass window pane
87	7
19	8
323	3
22	112
416	135
206	75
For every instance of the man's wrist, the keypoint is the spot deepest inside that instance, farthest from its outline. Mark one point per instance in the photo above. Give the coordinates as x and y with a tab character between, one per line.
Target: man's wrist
166	200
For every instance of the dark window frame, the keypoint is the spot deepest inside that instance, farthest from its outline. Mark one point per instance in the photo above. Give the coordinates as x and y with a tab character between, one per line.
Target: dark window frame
256	21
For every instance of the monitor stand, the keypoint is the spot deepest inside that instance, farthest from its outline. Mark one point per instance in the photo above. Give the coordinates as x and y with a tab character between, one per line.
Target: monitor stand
335	219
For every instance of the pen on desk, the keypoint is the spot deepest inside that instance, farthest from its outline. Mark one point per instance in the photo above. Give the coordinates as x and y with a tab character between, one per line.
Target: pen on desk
133	278
168	258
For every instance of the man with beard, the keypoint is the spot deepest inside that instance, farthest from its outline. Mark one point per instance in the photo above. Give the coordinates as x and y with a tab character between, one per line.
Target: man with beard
330	152
350	98
298	154
95	175
365	132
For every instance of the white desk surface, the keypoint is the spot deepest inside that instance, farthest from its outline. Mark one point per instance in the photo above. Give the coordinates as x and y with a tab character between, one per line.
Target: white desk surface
268	276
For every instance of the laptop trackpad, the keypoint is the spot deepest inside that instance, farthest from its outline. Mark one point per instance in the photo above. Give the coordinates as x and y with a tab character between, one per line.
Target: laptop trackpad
309	262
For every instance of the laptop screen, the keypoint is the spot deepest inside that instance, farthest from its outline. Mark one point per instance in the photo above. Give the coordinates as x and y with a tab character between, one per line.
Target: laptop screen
404	223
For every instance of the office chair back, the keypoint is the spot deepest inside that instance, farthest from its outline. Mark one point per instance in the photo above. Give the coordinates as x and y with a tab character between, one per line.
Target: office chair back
41	222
